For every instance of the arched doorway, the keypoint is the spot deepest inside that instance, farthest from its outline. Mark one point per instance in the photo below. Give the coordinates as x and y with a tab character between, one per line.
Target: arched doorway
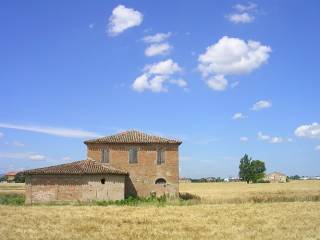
160	181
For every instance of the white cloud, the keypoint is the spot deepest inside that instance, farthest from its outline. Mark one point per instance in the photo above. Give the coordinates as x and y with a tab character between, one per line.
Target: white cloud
261	105
308	131
263	137
157	49
166	67
317	148
37	157
232	56
238	115
180	82
270	139
159	37
243	14
141	83
123	18
61	132
243	8
156	83
217	82
290	140
240	18
18	144
276	140
244	139
14	155
155	75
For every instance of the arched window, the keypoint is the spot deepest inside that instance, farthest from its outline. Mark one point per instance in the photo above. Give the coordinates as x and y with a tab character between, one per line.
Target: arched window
161	181
103	181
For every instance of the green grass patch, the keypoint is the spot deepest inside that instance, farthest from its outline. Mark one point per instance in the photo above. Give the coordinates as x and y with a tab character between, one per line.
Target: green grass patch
153	200
134	201
11	199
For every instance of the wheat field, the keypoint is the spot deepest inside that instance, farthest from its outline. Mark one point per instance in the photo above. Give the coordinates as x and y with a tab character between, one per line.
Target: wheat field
239	192
215	217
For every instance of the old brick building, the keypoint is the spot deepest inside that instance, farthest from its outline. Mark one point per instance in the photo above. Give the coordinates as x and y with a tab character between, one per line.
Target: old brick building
276	177
131	163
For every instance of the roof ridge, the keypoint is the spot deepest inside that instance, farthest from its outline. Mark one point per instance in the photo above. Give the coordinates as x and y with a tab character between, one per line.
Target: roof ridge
87	166
134	136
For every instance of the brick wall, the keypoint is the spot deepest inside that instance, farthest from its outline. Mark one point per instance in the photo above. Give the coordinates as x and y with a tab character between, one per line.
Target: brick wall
83	188
274	177
142	175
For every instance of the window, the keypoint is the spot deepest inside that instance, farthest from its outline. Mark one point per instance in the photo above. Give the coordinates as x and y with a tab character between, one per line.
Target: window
160	156
105	155
103	181
161	181
133	155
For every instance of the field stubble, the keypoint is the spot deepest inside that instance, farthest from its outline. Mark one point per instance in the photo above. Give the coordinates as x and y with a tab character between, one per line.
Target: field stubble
296	219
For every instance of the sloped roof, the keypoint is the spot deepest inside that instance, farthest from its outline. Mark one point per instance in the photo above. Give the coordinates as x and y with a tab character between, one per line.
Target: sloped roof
277	173
76	168
133	136
11	173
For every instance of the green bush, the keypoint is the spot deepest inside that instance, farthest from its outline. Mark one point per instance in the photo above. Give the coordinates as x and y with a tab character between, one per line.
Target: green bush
133	201
263	181
11	199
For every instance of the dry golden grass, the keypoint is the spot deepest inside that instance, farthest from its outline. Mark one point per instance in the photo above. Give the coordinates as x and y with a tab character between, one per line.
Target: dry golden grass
239	192
296	220
271	220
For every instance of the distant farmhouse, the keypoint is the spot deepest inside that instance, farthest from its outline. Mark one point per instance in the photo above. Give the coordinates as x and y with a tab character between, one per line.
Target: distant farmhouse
130	163
276	177
10	176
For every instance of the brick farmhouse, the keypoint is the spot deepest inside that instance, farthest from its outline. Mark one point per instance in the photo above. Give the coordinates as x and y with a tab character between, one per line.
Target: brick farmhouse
10	176
276	177
130	163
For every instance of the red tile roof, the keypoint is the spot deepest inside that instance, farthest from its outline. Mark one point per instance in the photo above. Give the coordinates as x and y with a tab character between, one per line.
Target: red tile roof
133	136
76	168
11	173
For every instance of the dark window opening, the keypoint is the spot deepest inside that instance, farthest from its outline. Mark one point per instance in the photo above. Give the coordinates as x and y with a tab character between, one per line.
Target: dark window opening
105	155
133	155
160	156
161	181
103	181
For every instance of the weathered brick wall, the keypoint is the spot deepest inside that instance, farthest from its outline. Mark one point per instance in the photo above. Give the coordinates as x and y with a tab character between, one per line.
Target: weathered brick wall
142	175
276	178
47	188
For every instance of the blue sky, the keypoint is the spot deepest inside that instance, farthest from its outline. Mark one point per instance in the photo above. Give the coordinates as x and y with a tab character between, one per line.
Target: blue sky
226	77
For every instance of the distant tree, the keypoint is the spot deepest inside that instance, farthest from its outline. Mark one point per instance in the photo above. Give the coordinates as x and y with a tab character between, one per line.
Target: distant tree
295	177
251	170
257	170
245	171
19	178
3	178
